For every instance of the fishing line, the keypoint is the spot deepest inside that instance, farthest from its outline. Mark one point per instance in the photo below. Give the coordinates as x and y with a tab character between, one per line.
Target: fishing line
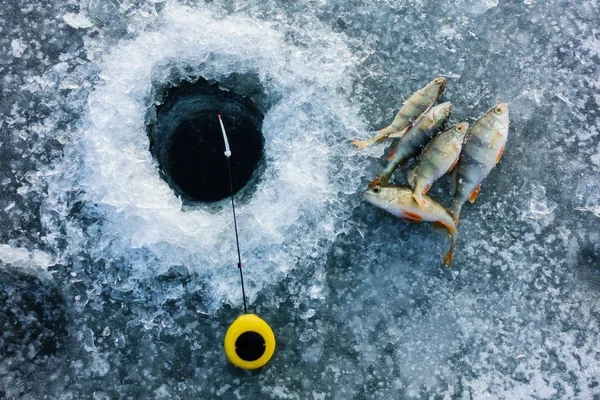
249	342
237	239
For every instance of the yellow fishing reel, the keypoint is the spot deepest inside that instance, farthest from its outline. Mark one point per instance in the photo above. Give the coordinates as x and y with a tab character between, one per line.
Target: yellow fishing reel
249	342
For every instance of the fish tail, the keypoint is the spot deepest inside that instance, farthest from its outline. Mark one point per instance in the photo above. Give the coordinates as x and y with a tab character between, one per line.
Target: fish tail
375	136
448	257
418	196
418	192
361	144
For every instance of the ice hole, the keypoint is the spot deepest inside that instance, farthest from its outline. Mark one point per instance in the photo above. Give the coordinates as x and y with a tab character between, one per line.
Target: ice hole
186	140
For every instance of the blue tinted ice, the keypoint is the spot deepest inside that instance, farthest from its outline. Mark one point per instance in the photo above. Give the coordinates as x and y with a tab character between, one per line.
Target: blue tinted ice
126	293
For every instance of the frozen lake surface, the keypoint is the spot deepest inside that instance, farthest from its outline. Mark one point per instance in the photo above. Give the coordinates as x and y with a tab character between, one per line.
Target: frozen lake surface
111	287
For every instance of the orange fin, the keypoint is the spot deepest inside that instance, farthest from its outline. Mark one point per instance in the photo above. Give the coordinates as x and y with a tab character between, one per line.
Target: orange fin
411	220
474	194
414	216
376	182
448	257
454	163
438	225
499	154
420	200
446	225
389	158
361	144
427	189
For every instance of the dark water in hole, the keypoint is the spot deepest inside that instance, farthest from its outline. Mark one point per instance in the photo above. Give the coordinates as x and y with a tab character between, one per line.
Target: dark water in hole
188	142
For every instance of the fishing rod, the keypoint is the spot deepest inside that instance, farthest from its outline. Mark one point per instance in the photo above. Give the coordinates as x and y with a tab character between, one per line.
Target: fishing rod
249	342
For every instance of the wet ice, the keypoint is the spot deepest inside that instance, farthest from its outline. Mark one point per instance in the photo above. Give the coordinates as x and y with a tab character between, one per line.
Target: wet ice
357	299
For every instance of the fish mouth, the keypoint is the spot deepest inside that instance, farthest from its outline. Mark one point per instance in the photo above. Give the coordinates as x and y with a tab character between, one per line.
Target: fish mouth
441	81
368	196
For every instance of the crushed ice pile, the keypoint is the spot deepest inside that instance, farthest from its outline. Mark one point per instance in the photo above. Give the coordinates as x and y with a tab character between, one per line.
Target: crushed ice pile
292	212
111	288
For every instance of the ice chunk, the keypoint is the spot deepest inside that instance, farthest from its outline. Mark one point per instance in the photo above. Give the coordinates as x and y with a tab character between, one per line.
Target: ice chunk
481	6
539	205
18	47
86	337
21	257
77	21
587	196
307	120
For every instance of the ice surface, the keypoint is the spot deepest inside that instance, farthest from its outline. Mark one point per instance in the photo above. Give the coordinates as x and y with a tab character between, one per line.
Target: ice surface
18	47
481	6
359	301
539	205
77	21
587	196
22	257
279	223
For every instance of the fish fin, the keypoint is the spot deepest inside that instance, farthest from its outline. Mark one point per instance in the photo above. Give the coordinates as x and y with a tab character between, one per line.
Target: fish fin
414	216
497	137
418	195
500	154
438	225
361	144
389	158
411	220
474	194
448	256
419	199
454	164
427	189
454	182
378	181
412	176
447	226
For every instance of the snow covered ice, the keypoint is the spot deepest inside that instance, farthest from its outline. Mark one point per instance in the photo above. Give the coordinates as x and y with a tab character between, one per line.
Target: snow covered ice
132	291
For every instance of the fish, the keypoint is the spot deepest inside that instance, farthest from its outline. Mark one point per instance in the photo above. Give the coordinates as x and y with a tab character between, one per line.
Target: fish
439	156
421	101
480	154
399	201
417	137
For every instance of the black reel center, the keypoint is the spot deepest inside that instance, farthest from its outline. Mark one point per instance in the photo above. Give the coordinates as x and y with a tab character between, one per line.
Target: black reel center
250	346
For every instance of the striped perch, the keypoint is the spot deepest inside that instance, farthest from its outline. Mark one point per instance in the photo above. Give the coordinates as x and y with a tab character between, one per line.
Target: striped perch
481	152
417	104
440	156
399	201
415	139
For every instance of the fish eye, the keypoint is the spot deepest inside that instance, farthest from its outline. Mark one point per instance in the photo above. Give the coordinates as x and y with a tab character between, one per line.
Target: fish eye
498	110
438	80
376	189
459	128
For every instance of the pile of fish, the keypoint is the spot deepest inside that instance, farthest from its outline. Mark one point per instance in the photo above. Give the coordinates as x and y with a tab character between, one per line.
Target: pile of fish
471	150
